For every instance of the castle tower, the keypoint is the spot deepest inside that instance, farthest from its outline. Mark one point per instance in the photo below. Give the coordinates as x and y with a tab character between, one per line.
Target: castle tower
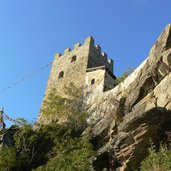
84	66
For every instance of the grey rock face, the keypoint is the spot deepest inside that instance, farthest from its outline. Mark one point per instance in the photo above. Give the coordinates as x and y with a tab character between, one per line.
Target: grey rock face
126	117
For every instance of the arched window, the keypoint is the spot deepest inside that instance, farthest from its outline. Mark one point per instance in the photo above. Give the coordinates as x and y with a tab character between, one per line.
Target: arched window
61	75
74	58
92	81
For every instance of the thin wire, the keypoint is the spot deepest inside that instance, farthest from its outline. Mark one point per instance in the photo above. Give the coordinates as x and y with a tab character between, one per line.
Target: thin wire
25	78
8	118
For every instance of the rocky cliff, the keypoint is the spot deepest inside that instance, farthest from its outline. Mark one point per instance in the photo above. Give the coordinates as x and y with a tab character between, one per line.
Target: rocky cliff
138	109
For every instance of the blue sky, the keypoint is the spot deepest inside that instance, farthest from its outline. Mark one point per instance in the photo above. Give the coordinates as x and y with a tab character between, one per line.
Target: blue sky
31	32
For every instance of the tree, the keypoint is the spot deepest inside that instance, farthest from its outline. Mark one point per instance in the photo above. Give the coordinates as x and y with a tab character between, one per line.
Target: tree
52	146
70	109
30	145
30	148
69	153
7	158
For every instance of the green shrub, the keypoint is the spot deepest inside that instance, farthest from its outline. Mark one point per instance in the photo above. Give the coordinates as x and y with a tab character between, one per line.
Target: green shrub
7	158
69	154
70	109
124	75
157	160
51	147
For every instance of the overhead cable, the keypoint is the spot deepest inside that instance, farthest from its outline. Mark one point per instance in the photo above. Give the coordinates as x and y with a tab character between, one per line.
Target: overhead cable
25	78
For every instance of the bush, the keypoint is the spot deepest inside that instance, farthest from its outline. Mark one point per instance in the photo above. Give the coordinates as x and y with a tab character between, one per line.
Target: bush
157	160
51	147
124	75
7	158
54	146
70	109
69	153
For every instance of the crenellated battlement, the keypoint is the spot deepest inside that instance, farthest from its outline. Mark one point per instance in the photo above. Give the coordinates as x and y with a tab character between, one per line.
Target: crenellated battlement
88	42
95	55
110	61
67	50
104	54
77	45
57	55
98	48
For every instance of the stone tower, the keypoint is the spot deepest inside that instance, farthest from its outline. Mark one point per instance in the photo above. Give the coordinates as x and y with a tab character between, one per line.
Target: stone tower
84	66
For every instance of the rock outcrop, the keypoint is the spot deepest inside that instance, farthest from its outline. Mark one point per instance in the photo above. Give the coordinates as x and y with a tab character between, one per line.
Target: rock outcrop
138	109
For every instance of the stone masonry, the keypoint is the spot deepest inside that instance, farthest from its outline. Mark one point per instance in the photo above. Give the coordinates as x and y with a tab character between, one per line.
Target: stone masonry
85	66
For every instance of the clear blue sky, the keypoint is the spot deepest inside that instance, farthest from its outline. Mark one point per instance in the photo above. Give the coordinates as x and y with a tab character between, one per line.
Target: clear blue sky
32	31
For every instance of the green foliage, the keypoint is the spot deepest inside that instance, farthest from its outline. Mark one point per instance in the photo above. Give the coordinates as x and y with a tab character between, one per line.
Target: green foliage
51	147
29	151
53	105
7	158
69	153
31	146
70	109
19	122
157	160
124	75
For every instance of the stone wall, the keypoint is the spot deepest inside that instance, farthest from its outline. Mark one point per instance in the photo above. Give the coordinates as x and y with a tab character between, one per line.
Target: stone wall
103	78
72	67
74	72
95	75
109	81
98	58
87	56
